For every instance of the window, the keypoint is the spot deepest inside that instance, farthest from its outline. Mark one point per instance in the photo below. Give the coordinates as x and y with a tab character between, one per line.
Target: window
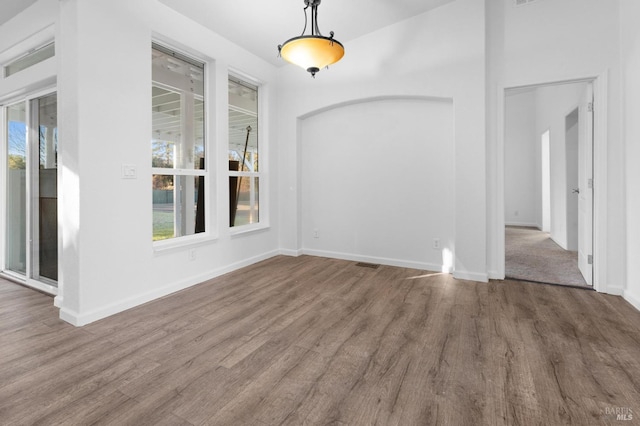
178	145
33	57
244	171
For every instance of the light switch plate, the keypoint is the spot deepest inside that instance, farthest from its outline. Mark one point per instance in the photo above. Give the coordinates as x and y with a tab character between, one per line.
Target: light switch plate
129	171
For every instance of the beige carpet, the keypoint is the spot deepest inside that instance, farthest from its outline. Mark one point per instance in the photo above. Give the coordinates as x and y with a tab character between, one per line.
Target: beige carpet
532	256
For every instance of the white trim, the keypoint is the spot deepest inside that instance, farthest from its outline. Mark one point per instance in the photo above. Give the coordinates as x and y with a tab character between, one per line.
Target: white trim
494	275
559	243
244	174
615	290
471	276
70	316
601	94
31	168
207	70
246	78
177	172
374	259
499	219
292	253
523	224
634	301
3	187
79	320
37	285
249	228
176	243
32	42
262	116
600	194
369	99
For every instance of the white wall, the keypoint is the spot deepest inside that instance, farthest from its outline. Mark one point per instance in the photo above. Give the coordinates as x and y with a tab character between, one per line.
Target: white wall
377	182
553	104
630	54
528	115
521	166
107	261
436	54
33	28
549	41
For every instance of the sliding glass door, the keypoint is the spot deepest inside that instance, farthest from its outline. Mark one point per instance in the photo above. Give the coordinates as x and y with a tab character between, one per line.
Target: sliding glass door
31	215
16	190
45	209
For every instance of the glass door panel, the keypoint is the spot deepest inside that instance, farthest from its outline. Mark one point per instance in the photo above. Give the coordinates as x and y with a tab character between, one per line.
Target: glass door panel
16	187
47	223
31	211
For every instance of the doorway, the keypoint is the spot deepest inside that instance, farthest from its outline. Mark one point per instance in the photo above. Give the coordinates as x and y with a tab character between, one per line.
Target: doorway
548	192
30	142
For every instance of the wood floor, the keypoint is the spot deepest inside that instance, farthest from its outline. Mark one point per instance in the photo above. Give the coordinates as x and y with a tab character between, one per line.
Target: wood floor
313	341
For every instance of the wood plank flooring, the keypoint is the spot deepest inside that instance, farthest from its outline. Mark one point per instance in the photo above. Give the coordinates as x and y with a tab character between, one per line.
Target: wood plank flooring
313	341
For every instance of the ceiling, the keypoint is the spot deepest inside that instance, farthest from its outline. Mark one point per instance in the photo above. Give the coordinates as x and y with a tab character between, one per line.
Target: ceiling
11	8
260	26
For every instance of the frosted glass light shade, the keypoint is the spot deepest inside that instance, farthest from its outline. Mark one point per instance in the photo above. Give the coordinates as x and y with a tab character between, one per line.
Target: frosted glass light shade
313	52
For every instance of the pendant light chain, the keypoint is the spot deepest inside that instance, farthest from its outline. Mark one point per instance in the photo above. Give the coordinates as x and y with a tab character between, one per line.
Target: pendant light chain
314	14
304	30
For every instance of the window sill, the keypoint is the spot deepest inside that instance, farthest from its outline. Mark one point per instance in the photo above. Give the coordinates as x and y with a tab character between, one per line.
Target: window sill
174	244
248	229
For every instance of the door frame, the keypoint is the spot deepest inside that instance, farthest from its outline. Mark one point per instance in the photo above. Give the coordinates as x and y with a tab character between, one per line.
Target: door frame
15	277
600	132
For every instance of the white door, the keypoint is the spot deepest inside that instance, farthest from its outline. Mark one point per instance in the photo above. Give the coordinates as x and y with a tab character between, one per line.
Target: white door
585	182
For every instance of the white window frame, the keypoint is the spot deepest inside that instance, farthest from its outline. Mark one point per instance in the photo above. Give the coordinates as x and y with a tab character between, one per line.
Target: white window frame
261	174
26	279
209	232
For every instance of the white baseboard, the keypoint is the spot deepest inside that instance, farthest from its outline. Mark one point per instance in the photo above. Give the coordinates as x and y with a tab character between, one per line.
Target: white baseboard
560	243
80	319
380	260
494	275
462	275
287	252
632	299
471	276
70	316
523	224
615	290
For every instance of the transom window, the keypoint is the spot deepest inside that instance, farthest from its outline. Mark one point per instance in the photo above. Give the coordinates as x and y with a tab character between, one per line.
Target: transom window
31	58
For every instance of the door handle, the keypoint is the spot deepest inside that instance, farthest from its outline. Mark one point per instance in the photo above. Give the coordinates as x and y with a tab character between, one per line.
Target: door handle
576	191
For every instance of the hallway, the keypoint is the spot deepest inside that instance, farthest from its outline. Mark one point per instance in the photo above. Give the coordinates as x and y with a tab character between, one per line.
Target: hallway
532	255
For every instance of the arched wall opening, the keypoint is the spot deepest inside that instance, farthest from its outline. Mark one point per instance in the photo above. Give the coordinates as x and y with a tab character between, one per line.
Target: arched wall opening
377	181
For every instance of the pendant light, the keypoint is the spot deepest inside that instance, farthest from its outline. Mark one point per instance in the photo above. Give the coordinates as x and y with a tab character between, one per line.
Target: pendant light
312	52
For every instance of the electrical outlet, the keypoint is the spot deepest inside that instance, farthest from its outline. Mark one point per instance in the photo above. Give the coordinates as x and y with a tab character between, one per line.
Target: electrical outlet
436	243
192	254
516	213
315	233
